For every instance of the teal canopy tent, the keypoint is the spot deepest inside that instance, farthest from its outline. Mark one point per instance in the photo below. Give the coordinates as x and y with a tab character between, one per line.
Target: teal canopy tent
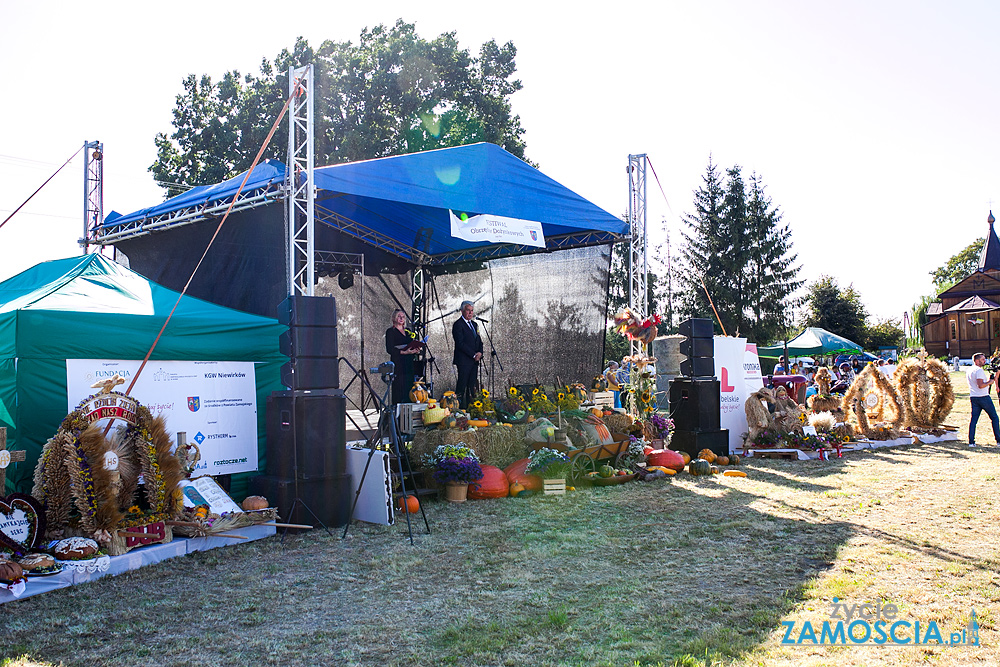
92	308
812	341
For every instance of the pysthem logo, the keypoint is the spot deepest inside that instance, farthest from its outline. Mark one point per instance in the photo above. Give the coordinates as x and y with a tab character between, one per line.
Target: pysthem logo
534	234
875	623
194	403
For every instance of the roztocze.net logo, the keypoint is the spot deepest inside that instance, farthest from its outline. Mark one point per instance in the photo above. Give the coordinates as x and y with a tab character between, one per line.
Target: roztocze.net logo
875	623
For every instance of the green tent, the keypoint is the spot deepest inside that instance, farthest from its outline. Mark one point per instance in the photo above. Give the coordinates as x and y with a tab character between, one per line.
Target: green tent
92	308
812	341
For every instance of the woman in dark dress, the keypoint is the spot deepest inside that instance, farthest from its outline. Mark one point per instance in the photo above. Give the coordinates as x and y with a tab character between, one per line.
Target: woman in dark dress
395	336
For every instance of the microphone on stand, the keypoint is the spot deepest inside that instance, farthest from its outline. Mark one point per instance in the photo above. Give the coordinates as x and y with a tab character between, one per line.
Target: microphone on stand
483	320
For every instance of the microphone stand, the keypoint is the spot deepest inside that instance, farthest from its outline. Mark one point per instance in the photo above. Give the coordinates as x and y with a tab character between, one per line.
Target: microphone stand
494	357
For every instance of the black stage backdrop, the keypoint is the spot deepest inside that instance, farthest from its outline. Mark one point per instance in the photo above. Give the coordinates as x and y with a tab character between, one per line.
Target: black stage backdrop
546	311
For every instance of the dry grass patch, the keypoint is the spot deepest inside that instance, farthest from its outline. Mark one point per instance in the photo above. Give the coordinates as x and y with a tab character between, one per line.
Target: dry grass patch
671	572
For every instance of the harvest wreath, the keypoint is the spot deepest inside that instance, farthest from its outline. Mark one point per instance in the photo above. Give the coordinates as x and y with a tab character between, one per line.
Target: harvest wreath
81	470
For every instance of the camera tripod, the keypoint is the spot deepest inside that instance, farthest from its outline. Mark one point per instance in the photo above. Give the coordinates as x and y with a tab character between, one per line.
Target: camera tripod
387	428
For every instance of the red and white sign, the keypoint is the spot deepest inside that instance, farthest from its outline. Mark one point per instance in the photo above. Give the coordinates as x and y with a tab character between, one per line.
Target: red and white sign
737	368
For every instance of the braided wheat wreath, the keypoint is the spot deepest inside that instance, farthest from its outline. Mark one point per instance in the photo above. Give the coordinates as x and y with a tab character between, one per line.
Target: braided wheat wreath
83	493
872	392
925	387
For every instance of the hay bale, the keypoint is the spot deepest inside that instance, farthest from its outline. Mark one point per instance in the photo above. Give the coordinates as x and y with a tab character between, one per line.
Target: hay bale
495	445
618	422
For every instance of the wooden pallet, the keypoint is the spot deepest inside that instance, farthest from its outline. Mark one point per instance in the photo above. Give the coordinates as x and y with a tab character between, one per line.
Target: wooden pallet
760	454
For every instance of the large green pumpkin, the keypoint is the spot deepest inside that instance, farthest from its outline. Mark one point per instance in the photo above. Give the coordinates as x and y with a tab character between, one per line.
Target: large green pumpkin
700	467
606	471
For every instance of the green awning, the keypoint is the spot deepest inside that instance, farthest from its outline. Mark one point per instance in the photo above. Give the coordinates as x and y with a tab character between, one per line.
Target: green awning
812	341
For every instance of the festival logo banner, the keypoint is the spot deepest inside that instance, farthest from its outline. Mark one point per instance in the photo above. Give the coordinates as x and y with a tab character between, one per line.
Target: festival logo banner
737	368
214	402
496	229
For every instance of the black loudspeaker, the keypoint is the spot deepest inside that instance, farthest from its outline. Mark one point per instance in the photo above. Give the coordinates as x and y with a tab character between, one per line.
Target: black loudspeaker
308	311
310	342
699	348
693	442
305	373
698	367
697	327
330	498
695	404
307	430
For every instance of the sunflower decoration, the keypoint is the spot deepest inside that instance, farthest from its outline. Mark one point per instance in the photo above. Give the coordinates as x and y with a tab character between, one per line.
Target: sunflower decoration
512	392
509	406
567	402
640	392
483	407
561	396
540	403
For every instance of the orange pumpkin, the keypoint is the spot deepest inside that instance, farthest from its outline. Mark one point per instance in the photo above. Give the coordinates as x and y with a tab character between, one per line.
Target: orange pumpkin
707	454
515	473
722	460
686	457
408	504
494	484
515	489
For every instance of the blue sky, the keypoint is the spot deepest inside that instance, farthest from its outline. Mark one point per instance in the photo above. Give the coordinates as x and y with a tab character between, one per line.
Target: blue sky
873	124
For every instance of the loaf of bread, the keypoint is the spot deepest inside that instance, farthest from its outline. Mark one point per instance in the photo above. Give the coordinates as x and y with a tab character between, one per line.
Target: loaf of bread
37	563
75	548
10	572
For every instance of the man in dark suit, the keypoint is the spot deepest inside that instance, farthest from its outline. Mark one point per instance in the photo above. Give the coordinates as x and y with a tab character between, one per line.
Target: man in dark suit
468	352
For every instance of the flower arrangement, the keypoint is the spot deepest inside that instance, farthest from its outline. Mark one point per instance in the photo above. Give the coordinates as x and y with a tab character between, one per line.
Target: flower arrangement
640	390
821	440
510	405
539	403
454	464
767	437
661	426
566	401
482	407
548	463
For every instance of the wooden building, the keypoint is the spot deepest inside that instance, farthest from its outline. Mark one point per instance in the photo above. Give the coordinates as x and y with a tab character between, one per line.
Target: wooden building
967	319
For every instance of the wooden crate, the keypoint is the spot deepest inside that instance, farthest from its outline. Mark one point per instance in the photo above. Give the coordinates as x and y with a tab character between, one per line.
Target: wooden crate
553	487
603	399
409	417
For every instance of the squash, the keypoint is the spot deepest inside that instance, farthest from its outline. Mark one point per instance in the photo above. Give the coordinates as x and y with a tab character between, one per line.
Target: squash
722	460
479	423
707	454
599	383
667	458
251	503
667	471
515	474
606	471
493	484
734	473
408	504
418	394
449	400
686	457
734	459
715	470
449	421
515	489
700	467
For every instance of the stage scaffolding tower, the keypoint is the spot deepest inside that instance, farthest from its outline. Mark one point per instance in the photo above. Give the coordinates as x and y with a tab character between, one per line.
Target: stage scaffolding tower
299	183
637	264
93	191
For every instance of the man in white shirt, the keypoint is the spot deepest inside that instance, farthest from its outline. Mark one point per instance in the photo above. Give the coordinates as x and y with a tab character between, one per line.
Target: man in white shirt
979	394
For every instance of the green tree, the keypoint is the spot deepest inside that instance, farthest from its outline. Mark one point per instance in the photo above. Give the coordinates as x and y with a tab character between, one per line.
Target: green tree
836	310
391	93
958	267
738	250
885	333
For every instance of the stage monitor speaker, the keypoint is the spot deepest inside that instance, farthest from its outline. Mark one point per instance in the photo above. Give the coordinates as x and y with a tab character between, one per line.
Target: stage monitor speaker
306	373
695	404
693	442
698	347
698	367
697	327
308	311
330	498
308	429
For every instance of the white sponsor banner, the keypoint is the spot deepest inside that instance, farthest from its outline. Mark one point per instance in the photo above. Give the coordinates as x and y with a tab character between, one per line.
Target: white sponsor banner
737	368
497	229
214	402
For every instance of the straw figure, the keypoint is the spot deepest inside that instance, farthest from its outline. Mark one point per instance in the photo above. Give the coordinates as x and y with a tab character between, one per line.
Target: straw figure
925	390
873	398
788	415
823	401
758	415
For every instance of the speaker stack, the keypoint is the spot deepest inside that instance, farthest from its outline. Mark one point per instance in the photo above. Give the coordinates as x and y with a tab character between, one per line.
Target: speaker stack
306	456
695	399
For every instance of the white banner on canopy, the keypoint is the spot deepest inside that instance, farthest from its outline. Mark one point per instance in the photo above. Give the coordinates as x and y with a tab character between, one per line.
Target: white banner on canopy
215	402
497	229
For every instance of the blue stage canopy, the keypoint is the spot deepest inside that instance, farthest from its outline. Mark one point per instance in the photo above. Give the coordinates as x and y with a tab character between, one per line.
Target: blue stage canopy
402	204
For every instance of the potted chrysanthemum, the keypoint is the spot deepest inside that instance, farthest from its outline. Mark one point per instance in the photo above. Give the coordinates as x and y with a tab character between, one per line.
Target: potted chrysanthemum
456	466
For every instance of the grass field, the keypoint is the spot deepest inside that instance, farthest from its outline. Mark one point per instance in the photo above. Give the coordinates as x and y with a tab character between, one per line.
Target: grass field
688	571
